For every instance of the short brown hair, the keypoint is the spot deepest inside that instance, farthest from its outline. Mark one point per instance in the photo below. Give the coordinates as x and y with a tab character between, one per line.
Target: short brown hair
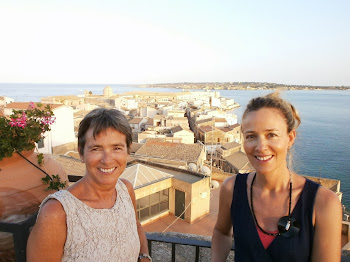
101	119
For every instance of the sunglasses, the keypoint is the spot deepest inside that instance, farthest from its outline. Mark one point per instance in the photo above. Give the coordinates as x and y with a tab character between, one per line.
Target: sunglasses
288	226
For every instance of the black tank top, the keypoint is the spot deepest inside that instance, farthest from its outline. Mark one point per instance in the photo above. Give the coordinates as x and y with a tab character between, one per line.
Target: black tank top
248	246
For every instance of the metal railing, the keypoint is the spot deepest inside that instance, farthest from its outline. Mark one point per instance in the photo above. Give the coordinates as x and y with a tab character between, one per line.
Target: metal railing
174	241
20	231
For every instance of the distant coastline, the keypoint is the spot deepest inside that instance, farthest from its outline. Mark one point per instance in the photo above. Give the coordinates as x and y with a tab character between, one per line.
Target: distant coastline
241	86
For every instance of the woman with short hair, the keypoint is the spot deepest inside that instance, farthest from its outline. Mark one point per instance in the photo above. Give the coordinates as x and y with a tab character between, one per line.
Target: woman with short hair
94	219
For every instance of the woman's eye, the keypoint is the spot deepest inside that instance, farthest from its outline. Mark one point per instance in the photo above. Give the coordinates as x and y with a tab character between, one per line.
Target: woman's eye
272	135
249	137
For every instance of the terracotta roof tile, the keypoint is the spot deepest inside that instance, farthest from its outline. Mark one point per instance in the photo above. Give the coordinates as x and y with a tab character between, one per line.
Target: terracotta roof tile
234	126
135	120
176	129
25	105
174	151
203	120
206	129
239	160
230	145
220	120
225	129
149	121
134	147
72	166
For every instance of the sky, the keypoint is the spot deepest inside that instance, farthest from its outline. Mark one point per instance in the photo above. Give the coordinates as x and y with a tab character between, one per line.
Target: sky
159	41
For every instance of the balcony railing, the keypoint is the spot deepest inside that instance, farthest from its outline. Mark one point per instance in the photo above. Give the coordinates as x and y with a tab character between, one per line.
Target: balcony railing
21	231
178	241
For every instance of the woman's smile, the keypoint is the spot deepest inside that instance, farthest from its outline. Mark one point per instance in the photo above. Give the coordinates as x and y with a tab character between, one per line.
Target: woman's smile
266	140
264	158
105	156
105	170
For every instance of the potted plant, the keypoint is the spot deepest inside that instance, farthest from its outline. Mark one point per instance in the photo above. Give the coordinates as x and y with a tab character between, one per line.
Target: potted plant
22	130
26	177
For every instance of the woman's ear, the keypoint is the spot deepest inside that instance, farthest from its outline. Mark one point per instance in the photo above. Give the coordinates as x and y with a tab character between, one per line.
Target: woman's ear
291	135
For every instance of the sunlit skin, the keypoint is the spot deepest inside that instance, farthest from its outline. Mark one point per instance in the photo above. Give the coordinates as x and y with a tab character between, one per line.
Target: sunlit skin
105	157
266	140
266	143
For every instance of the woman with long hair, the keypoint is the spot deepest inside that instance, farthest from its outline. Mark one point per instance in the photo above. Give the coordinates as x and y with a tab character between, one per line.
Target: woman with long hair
273	213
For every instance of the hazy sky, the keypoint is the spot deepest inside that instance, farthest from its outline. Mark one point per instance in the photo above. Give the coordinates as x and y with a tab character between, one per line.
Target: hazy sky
150	41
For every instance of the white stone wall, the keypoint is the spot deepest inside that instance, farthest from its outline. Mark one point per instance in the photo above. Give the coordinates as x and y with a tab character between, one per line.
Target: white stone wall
62	131
63	128
187	137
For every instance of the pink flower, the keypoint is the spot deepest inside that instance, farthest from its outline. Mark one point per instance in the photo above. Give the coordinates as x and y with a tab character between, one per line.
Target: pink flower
20	121
31	105
48	120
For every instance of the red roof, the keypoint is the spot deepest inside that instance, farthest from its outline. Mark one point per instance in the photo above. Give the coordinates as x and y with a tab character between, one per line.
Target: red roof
225	129
220	120
25	105
135	120
206	129
234	126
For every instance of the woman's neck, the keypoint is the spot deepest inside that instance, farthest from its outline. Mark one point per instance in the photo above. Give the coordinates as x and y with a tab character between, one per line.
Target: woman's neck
95	191
275	181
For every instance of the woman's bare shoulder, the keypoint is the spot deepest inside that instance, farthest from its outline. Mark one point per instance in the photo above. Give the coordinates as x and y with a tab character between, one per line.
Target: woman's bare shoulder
227	187
229	183
52	210
326	200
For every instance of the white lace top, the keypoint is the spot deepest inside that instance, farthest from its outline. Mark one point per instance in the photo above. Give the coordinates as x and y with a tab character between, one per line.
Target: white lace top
100	234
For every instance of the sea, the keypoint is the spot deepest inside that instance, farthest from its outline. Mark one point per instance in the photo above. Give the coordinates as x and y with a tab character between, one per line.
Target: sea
322	147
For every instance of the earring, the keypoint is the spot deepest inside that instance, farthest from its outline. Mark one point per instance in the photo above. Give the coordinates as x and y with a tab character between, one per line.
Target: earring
81	160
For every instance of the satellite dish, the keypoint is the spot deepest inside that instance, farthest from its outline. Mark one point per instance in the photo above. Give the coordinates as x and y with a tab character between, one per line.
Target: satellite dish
206	171
215	184
192	167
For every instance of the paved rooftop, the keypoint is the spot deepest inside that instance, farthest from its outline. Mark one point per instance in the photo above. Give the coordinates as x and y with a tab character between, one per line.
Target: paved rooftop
203	226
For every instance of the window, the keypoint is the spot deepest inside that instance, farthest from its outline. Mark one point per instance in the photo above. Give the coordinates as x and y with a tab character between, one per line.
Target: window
41	143
152	205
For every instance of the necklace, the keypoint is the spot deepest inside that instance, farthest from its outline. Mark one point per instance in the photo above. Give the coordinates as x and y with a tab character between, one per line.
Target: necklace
285	222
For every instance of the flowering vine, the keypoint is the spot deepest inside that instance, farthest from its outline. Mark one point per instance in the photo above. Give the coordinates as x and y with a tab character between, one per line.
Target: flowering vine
22	129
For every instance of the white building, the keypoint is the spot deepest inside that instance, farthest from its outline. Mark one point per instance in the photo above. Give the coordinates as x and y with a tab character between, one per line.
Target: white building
185	136
137	123
107	91
147	111
126	102
62	130
4	100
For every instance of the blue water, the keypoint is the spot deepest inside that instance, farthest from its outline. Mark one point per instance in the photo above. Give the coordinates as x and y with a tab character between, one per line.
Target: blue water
33	92
322	148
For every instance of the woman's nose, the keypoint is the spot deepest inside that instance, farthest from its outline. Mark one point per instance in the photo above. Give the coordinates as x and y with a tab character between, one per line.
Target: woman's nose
261	144
106	158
